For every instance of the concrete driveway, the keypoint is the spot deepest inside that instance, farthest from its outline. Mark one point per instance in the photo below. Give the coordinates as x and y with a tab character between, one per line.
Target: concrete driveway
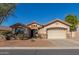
65	43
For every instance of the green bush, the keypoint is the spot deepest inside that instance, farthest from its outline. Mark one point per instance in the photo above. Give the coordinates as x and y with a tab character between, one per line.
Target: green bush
22	36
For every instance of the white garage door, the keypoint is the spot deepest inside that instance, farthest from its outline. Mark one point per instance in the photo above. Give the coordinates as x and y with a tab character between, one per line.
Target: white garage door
56	34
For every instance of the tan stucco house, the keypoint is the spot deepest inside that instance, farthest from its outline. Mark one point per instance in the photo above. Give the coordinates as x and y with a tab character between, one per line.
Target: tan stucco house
56	29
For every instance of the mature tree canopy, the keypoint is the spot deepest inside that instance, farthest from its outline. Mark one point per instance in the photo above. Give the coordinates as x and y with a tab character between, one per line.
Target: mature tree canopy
73	20
6	9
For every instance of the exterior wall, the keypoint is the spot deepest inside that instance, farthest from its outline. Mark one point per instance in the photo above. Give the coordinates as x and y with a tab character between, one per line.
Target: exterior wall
77	33
56	24
73	34
34	26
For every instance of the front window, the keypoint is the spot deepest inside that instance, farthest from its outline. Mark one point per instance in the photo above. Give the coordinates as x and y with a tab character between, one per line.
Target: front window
19	30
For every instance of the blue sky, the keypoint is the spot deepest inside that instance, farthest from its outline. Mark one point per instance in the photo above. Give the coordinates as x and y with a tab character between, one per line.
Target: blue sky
41	12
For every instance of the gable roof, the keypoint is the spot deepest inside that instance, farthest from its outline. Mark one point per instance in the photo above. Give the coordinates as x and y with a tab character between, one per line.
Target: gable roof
58	20
17	24
34	22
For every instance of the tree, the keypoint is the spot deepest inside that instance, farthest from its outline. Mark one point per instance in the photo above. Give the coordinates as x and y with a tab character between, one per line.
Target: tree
6	9
73	20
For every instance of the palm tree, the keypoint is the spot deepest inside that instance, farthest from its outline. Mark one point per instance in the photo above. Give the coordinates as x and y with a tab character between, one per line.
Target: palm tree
6	9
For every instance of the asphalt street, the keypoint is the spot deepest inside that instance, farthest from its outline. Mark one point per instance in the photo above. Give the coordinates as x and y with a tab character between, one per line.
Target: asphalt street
39	52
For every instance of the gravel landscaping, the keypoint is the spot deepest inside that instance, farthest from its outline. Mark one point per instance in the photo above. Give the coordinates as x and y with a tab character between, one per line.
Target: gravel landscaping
26	43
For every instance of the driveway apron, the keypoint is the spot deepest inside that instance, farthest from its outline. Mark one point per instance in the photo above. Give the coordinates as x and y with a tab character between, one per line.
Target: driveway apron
64	43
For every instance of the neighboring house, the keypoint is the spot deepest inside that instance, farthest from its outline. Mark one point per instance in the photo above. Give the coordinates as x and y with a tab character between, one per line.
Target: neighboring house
4	29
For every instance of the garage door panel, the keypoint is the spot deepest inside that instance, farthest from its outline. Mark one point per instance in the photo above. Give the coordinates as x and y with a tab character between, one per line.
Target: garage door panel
56	34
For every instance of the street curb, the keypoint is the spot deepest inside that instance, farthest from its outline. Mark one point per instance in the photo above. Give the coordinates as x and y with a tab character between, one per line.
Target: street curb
39	48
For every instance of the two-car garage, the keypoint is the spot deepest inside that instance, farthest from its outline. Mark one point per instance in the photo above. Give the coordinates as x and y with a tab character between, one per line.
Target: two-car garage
55	30
56	33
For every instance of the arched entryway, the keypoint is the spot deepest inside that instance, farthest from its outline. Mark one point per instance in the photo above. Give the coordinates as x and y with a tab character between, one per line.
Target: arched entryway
33	33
